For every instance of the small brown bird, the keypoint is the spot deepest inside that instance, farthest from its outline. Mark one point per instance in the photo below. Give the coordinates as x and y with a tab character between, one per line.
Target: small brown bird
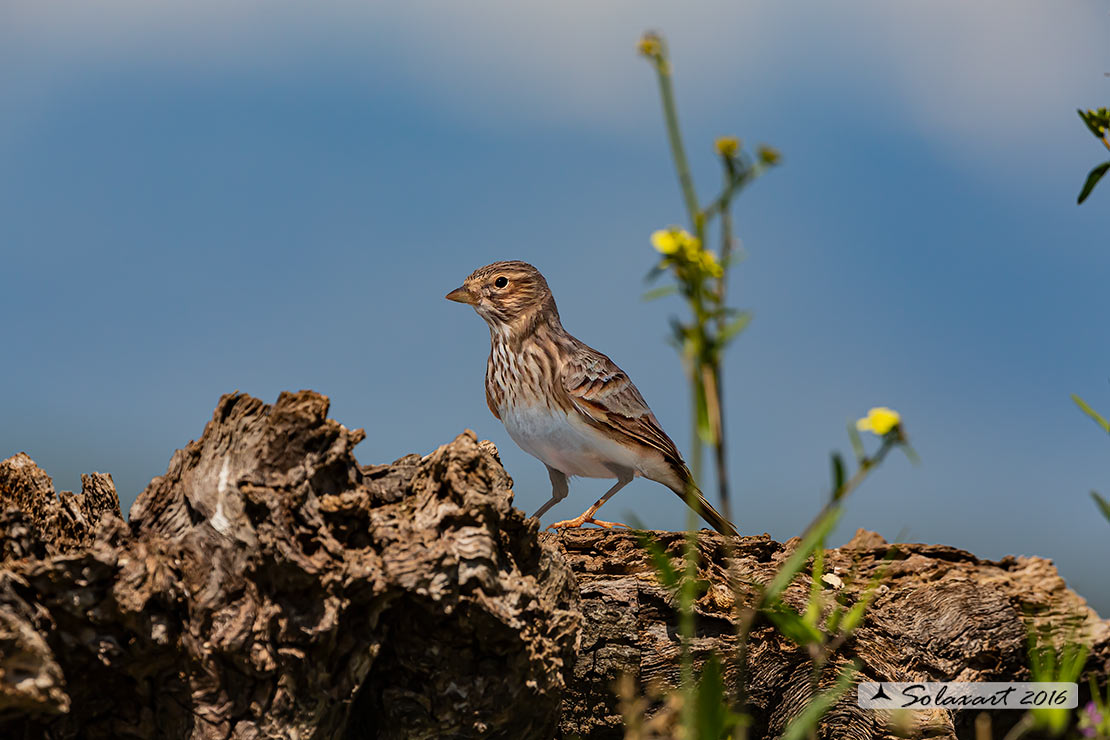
565	403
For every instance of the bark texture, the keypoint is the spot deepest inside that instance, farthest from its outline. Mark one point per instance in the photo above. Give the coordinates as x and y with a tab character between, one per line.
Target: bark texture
940	614
268	586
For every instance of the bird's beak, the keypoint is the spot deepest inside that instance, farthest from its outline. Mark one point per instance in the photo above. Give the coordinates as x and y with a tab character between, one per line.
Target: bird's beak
462	295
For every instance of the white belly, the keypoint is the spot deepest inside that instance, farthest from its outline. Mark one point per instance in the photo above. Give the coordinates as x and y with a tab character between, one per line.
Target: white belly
567	444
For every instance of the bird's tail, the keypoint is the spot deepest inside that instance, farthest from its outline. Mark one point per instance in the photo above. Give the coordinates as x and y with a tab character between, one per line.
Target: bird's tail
696	500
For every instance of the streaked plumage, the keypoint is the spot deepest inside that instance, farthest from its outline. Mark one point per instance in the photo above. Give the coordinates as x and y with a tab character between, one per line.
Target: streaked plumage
564	402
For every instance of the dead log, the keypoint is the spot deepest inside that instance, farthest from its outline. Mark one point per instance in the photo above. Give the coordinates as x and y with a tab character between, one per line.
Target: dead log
941	614
269	586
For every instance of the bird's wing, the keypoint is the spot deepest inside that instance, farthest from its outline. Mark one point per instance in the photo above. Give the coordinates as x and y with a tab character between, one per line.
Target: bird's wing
606	397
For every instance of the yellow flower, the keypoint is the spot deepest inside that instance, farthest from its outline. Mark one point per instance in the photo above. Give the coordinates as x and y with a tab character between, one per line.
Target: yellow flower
710	264
769	155
664	241
879	420
649	45
670	241
727	146
690	244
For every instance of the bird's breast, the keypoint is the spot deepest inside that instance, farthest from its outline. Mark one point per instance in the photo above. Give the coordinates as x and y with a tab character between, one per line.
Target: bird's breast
566	442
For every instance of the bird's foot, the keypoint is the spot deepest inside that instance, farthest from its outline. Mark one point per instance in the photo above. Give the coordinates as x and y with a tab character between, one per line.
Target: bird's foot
578	521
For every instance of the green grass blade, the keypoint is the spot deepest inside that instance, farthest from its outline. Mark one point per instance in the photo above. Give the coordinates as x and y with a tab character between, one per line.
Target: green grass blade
798	558
854	616
834	619
660	292
1071	665
1086	409
711	704
790	625
837	474
800	726
1103	504
813	608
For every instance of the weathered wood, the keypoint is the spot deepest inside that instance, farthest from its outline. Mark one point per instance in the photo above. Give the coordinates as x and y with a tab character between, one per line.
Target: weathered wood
269	586
941	614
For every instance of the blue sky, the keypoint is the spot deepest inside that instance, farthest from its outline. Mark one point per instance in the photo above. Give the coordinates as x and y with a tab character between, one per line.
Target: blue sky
196	199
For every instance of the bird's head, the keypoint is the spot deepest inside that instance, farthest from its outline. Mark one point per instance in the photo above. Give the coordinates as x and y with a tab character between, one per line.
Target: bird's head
508	295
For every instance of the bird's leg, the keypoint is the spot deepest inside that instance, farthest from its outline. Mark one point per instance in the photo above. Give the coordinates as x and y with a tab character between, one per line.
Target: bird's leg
624	477
558	490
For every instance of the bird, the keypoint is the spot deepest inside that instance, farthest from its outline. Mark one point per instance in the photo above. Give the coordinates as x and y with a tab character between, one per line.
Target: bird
564	402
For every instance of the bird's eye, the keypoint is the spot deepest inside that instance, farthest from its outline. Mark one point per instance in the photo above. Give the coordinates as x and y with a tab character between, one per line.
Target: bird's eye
501	282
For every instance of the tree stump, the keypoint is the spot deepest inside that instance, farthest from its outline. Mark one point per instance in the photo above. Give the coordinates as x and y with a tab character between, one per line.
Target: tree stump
268	586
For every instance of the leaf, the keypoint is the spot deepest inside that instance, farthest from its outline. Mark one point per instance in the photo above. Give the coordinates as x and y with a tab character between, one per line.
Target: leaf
857	443
661	292
734	327
790	625
711	705
1103	504
834	619
1098	418
735	257
814	539
838	475
679	331
854	616
1092	180
1092	121
808	718
813	608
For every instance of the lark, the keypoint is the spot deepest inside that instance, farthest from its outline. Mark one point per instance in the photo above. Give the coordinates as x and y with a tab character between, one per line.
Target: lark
566	403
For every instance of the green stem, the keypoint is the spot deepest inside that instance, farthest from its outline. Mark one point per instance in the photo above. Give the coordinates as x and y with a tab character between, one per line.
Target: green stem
715	403
687	625
718	373
695	433
749	614
866	465
674	135
726	245
721	203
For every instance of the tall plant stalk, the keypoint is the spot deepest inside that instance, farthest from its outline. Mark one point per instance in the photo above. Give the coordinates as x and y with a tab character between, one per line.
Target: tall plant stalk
701	276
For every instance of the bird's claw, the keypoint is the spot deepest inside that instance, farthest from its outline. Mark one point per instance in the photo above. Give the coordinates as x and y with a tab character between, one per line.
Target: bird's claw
580	520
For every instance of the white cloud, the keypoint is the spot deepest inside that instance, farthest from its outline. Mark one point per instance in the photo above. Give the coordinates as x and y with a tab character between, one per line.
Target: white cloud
993	73
998	72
